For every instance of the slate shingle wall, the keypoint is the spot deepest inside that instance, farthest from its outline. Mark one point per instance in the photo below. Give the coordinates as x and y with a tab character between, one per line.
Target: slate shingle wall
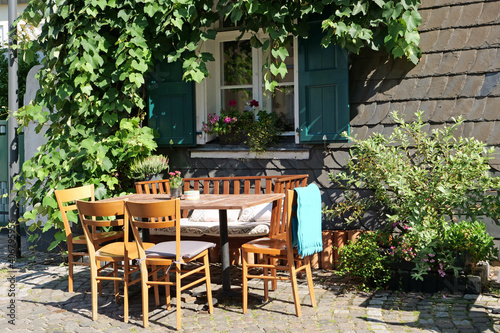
459	74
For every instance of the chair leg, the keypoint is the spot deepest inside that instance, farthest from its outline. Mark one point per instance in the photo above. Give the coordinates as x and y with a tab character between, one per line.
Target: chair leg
178	293
70	272
206	263
245	281
274	283
116	283
99	283
295	290
267	260
145	299
167	288
93	290
155	287
310	285
125	290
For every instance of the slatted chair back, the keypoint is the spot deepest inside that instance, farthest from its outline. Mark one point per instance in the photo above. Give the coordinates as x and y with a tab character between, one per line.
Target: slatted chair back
161	186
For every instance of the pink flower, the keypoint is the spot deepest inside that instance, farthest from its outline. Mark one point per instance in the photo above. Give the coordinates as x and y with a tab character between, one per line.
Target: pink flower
227	120
254	103
232	102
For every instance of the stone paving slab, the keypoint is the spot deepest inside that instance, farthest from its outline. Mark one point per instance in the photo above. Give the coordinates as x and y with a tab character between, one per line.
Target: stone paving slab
34	298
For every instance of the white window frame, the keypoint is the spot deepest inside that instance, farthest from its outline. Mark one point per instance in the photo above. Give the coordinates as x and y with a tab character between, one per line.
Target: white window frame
208	96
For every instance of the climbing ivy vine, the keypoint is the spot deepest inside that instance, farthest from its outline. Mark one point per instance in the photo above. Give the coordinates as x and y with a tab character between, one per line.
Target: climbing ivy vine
97	55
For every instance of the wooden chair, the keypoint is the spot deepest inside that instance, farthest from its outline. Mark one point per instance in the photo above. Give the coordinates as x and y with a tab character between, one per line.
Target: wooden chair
66	201
277	248
94	214
167	255
161	186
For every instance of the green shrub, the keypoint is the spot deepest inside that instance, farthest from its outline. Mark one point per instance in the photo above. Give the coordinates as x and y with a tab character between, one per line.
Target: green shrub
426	183
365	261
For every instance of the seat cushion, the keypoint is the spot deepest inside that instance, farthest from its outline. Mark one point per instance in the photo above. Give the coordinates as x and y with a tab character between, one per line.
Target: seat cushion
259	213
189	249
242	229
212	215
188	228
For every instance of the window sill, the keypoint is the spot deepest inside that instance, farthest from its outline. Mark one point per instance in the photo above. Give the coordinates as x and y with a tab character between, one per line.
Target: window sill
237	152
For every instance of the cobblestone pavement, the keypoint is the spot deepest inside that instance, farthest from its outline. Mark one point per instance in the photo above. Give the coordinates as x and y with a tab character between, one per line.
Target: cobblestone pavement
42	303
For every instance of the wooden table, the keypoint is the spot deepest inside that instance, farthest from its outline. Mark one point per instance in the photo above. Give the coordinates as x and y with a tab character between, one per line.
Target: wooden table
222	202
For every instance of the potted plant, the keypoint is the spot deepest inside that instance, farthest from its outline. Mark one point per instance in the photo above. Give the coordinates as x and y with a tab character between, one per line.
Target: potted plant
175	183
149	168
224	125
257	129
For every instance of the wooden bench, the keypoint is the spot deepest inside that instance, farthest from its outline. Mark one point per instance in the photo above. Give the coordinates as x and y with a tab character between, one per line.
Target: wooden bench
243	225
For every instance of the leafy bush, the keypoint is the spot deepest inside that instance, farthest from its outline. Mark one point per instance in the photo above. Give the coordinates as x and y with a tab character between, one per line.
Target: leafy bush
429	185
365	261
263	132
471	237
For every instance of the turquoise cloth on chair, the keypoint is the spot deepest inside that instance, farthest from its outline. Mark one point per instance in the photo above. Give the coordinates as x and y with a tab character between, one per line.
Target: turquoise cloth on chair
306	227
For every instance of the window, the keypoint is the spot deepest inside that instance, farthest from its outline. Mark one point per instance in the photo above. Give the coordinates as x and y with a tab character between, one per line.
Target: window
241	79
312	99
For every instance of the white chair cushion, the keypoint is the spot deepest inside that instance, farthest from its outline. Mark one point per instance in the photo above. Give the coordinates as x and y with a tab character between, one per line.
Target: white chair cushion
242	229
212	215
259	213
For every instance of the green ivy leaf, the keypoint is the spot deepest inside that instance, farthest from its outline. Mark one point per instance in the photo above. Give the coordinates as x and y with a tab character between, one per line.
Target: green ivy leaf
412	19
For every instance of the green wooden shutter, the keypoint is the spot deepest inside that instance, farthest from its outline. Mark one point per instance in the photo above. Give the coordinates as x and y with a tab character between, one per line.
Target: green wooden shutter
171	106
323	89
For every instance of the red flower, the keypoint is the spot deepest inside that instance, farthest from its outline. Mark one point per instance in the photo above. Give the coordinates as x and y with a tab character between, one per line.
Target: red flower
232	102
254	103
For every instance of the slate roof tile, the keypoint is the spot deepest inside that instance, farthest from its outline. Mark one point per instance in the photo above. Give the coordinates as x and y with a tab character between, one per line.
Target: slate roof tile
436	3
398	68
491	84
444	111
458	39
443	40
396	89
491	109
494	138
472	85
433	19
471	14
428	64
428	40
421	89
363	115
428	106
375	129
477	37
454	86
490	13
476	111
482	130
467	129
438	86
448	62
469	108
453	17
493	38
380	114
360	132
466	61
484	59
